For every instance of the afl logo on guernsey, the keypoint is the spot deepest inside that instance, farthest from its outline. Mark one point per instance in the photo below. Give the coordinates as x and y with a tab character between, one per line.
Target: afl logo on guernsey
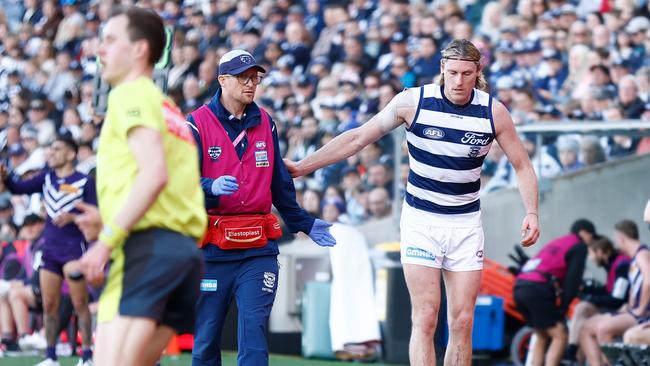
433	133
260	145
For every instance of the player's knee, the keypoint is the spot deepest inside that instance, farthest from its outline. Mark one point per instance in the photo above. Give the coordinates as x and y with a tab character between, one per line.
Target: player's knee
633	336
462	323
50	306
425	320
604	333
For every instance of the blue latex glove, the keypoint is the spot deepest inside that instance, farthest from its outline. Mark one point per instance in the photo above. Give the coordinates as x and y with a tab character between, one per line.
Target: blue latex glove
224	185
320	234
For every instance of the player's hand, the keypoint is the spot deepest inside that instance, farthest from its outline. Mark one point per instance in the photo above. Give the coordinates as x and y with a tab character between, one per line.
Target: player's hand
293	168
529	230
89	221
93	263
63	219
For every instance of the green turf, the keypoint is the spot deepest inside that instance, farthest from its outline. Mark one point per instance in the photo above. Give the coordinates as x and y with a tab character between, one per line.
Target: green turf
229	359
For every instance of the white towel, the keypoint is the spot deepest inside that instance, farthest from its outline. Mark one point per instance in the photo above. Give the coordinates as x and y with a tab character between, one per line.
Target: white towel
353	314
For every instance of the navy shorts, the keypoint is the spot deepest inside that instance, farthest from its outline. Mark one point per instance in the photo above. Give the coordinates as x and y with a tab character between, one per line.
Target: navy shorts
56	255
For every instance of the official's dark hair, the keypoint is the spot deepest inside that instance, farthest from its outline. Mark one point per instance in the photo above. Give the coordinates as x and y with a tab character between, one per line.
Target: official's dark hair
628	228
144	24
603	243
583	224
69	142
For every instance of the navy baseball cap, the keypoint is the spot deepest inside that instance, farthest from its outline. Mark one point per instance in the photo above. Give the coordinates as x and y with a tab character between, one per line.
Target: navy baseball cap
237	61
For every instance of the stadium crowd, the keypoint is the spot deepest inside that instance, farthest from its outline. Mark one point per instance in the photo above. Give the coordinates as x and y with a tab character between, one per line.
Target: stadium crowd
332	64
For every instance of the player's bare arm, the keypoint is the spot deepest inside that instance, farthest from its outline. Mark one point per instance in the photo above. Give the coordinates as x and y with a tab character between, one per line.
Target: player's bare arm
401	109
509	141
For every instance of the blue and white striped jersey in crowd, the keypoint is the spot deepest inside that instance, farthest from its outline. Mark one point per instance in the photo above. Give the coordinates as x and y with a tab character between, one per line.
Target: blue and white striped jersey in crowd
447	144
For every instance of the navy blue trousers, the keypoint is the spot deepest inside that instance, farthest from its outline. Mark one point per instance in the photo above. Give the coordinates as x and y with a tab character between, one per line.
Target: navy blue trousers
253	283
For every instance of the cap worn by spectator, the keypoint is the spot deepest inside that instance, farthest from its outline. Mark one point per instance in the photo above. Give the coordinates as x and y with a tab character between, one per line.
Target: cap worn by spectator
16	150
551	54
398	37
321	60
568	143
504	47
38	104
91	16
237	61
5	202
336	201
637	24
349	170
296	9
75	66
505	82
567	9
28	133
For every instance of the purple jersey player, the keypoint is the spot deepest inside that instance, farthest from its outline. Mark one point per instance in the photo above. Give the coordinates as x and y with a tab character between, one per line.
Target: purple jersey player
62	187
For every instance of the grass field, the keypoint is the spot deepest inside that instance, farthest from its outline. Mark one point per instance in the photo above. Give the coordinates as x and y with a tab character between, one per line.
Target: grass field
230	359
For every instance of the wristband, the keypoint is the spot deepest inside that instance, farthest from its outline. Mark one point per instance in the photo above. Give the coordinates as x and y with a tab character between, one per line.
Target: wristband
112	235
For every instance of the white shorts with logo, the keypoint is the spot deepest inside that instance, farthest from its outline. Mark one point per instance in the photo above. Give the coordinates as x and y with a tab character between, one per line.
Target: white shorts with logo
451	242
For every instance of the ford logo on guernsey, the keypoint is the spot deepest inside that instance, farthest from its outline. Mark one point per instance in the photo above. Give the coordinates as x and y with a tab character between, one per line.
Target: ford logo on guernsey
419	253
433	133
474	138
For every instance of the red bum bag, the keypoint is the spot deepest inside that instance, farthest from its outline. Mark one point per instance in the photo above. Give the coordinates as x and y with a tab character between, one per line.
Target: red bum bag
242	231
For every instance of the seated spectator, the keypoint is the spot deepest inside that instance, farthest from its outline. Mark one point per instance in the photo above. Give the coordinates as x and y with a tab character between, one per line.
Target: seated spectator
591	152
628	98
604	328
568	149
379	204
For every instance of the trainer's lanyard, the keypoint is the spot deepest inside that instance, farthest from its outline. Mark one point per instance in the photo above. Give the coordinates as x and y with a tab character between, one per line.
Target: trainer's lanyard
240	137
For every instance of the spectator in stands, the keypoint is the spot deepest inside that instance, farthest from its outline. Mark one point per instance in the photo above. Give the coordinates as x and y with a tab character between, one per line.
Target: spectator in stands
557	268
628	97
603	328
597	299
568	149
426	64
619	145
379	203
591	152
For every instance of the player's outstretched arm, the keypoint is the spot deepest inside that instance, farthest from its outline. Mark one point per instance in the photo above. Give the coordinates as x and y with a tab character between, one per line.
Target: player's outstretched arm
509	141
400	109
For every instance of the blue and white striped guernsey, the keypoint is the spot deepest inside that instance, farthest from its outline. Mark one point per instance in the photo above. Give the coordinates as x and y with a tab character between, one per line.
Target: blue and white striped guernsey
447	144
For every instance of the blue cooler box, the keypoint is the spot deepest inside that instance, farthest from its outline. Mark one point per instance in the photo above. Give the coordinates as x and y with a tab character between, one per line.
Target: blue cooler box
489	324
316	341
